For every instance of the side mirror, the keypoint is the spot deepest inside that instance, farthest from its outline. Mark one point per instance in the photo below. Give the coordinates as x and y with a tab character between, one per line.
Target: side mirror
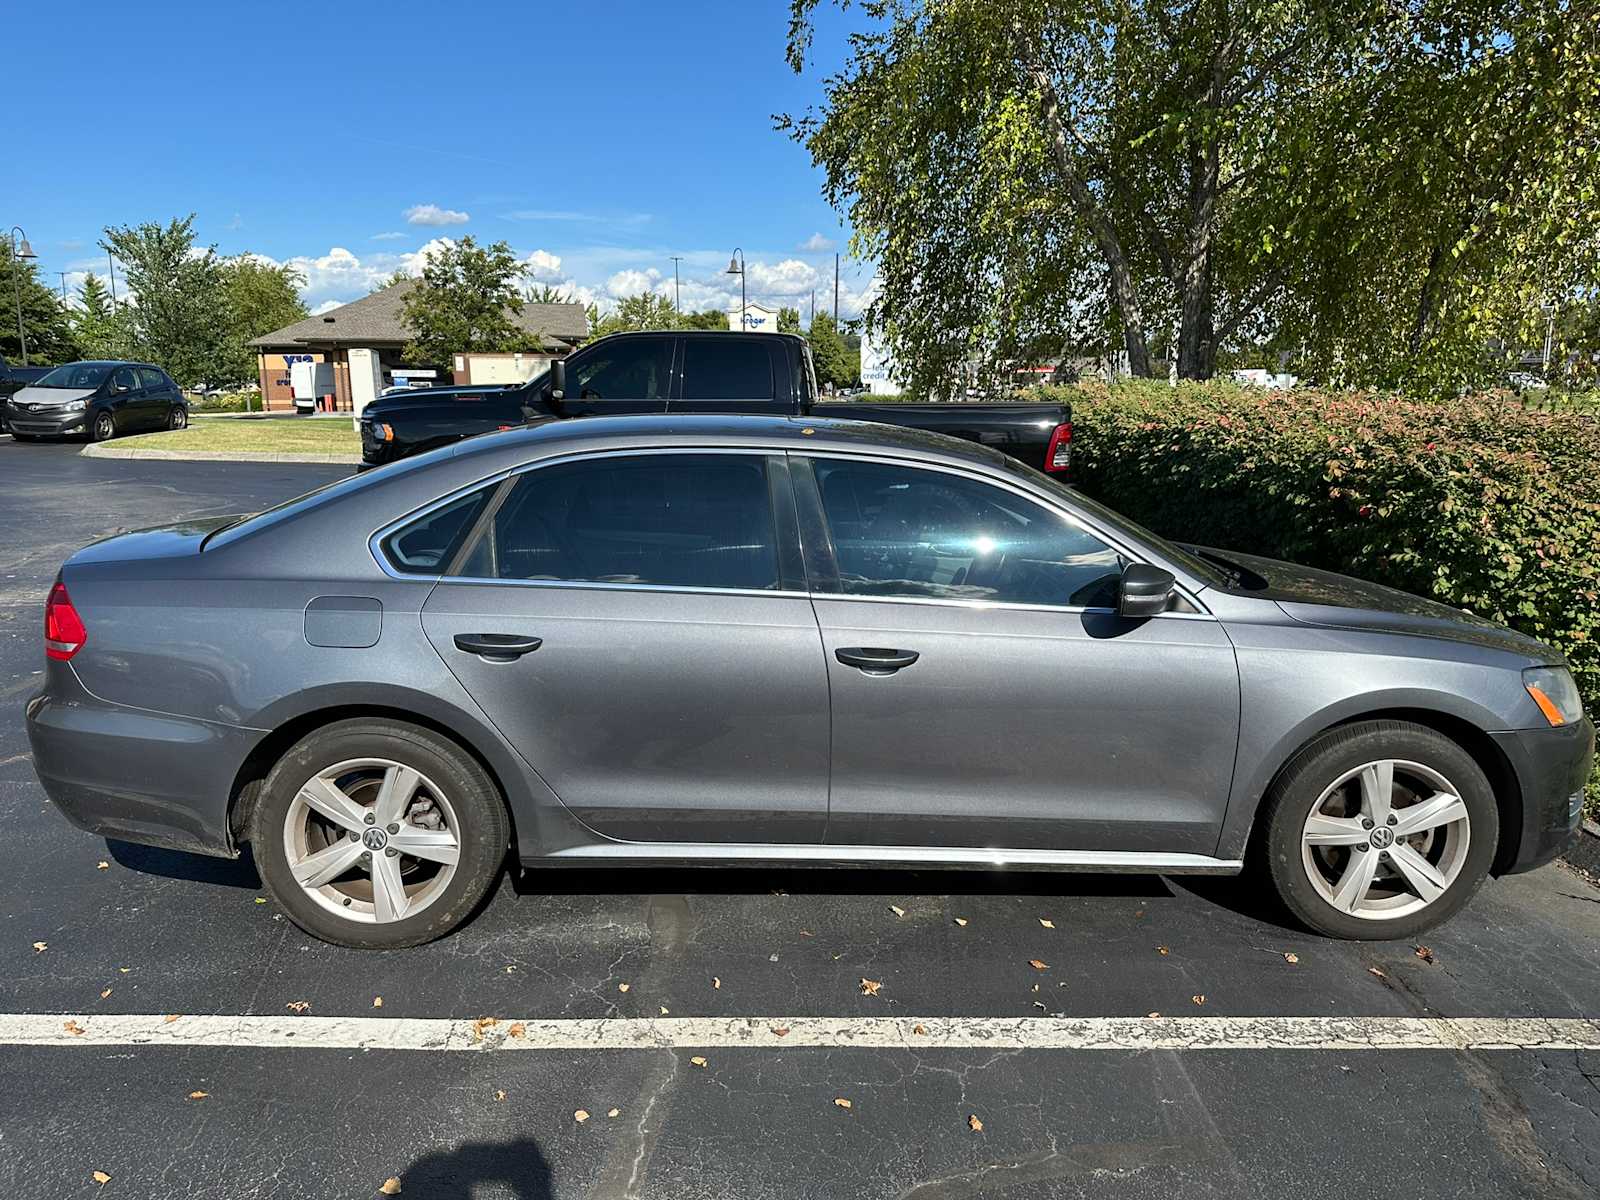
558	380
1144	590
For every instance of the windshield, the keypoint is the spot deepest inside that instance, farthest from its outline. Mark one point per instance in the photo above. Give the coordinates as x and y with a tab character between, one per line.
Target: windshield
1207	572
76	375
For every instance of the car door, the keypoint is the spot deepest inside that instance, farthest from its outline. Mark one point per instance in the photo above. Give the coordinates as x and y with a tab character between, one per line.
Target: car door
125	394
985	692
664	674
157	397
621	376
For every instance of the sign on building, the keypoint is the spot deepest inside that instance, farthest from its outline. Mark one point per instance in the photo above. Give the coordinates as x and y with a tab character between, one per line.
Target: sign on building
878	372
758	318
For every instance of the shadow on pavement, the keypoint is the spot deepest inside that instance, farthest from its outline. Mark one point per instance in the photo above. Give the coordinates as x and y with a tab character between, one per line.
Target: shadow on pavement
517	1166
175	864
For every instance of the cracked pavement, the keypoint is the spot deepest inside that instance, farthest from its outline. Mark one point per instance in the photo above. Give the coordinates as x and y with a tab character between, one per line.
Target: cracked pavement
168	933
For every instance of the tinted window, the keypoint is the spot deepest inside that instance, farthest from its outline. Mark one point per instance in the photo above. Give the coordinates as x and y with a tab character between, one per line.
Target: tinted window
627	369
75	375
904	531
726	369
426	546
152	378
681	520
124	379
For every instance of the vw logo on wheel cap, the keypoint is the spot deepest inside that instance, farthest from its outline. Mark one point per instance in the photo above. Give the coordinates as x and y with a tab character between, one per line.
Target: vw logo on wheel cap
1382	837
374	838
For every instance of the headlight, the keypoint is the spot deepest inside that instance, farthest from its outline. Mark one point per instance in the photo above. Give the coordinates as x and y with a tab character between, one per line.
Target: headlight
1554	691
74	406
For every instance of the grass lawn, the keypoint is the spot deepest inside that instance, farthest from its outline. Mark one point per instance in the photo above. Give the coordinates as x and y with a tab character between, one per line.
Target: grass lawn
279	435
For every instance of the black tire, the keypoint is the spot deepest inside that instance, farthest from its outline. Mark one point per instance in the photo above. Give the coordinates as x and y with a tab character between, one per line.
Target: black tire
1311	772
178	418
483	829
102	426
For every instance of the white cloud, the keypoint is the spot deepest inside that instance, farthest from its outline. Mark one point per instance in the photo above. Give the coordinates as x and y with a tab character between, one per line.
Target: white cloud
326	306
815	244
632	282
432	214
392	236
791	277
543	266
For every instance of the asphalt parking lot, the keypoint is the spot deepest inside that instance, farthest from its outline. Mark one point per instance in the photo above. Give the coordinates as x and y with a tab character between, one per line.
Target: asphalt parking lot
991	1007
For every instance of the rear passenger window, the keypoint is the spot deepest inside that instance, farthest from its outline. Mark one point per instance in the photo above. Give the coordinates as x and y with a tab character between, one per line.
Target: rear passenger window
726	369
151	378
673	520
426	546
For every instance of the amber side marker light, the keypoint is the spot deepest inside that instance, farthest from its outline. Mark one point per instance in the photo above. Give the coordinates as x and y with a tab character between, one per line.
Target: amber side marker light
1546	705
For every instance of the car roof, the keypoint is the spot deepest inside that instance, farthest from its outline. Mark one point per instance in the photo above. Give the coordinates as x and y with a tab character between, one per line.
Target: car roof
110	362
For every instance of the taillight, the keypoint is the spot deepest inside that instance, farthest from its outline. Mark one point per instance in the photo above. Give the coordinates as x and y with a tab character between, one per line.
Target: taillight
1058	455
64	633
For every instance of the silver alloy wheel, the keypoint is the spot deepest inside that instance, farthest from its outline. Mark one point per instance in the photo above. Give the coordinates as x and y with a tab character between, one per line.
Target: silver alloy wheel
1386	839
104	427
179	419
372	840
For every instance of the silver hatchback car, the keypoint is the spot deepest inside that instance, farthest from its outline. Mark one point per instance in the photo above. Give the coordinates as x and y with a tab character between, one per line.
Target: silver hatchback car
690	639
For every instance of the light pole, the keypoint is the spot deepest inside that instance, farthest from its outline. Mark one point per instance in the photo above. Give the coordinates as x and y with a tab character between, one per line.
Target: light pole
17	255
676	259
736	267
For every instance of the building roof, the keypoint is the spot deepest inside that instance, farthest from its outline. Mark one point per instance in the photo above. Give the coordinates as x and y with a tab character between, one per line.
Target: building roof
378	320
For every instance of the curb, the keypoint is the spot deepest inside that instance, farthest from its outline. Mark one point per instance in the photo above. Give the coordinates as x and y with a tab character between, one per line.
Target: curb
1584	853
99	450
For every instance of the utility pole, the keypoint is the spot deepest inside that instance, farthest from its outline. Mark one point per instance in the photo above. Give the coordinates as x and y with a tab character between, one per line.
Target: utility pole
813	315
835	291
676	259
113	266
63	275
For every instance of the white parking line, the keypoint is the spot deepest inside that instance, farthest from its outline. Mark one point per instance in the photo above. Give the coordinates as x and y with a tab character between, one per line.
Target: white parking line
937	1033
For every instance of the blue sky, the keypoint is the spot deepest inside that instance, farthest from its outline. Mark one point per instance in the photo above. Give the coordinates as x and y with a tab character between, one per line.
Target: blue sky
598	139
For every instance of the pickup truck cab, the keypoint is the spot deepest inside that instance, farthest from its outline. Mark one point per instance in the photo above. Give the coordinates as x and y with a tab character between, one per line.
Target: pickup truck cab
699	371
14	379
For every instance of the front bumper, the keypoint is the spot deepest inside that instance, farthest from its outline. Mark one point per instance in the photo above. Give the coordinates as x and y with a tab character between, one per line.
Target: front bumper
1552	768
135	775
48	423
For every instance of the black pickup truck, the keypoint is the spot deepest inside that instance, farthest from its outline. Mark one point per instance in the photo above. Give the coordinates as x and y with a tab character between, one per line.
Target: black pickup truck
692	371
14	379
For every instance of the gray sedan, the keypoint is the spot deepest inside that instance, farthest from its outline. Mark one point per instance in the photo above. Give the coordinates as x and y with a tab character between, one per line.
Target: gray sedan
684	639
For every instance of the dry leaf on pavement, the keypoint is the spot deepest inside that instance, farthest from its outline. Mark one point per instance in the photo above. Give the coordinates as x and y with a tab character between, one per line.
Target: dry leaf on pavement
698	1061
261	899
842	1102
41	947
377	1002
622	987
581	1115
920	1029
961	921
1198	999
1376	971
499	1095
716	982
1425	954
73	1028
974	1124
1291	957
169	1018
779	1030
480	1025
105	993
391	1186
1161	950
869	987
614	1112
1037	965
101	1178
517	1029
897	910
664	1009
102	865
1047	922
298	1006
198	1095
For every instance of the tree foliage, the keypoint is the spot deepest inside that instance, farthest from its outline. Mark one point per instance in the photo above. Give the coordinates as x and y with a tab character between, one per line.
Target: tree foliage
178	312
50	334
647	310
261	296
99	326
788	320
465	301
1381	185
835	365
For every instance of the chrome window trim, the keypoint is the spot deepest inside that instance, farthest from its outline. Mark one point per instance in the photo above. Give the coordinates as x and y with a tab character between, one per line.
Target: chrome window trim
1002	605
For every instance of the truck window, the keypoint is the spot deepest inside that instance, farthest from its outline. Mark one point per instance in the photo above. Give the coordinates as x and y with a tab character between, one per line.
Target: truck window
727	369
627	369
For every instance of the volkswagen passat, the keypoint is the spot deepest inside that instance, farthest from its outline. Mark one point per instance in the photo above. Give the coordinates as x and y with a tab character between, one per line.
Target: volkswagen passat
728	640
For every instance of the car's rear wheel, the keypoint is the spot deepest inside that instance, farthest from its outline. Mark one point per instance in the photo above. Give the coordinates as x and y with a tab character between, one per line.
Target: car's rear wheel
178	418
1379	830
103	428
376	834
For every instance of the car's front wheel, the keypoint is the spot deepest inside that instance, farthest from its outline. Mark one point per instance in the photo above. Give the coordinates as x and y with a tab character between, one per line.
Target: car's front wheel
1379	830
103	427
376	834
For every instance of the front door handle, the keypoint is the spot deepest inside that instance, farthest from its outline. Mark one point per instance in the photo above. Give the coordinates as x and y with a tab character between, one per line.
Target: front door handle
498	647
874	660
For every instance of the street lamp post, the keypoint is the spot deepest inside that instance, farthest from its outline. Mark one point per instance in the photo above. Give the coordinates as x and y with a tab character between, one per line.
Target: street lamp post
736	267
18	253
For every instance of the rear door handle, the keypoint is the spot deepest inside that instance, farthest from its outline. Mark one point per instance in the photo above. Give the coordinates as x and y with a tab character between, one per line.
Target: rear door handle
875	660
498	647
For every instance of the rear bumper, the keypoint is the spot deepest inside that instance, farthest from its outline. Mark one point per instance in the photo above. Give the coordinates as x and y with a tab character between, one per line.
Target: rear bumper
134	775
1552	768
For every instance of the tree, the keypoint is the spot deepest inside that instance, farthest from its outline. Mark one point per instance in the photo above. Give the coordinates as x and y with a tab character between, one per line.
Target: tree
829	355
710	318
647	310
99	327
465	302
1379	182
44	317
788	320
261	296
178	317
545	294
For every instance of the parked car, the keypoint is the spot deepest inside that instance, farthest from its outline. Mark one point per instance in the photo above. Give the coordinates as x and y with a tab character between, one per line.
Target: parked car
702	639
1525	381
97	400
15	378
693	371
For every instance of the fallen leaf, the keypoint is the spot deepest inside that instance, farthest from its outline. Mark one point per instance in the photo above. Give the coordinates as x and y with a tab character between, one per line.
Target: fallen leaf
510	970
73	1028
920	1029
198	1095
1139	912
664	1009
622	987
480	1025
961	921
1425	954
517	1029
716	983
41	947
974	1124
1161	950
123	970
1152	1015
499	1095
780	1030
102	865
1291	957
1377	972
615	1112
169	1018
101	1178
869	987
1048	924
391	1186
261	899
105	993
1037	965
842	1102
698	1061
377	1002
1198	999
298	1006
807	933
581	1116
897	910
772	958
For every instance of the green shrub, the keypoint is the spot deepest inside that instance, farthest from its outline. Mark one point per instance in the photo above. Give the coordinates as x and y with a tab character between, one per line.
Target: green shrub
1479	503
245	401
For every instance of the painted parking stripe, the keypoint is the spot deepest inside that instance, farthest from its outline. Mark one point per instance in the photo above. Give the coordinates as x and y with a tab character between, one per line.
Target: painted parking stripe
1016	1033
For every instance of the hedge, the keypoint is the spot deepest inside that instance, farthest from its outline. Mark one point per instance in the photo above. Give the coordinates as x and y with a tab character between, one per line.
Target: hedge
1478	502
